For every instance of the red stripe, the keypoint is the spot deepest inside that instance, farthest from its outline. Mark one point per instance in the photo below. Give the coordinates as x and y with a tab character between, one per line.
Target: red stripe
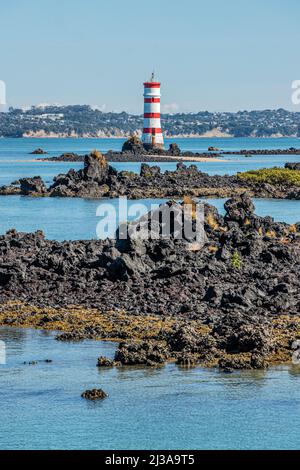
152	84
151	115
151	100
152	130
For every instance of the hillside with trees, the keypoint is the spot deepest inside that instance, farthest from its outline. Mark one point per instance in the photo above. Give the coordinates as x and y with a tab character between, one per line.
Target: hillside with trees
84	121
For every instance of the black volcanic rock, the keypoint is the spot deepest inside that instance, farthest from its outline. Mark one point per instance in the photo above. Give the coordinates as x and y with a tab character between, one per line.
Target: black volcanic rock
33	186
240	267
94	394
90	182
105	362
133	145
174	149
95	167
292	166
38	151
65	157
239	209
146	353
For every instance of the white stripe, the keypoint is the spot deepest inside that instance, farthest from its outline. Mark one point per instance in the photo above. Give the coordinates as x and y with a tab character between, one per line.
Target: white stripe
147	138
152	122
151	92
151	107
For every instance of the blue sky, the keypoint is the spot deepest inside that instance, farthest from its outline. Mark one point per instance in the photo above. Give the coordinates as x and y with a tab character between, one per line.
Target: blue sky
210	55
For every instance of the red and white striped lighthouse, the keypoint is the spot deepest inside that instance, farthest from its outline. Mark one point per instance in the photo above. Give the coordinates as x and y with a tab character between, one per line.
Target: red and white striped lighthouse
152	133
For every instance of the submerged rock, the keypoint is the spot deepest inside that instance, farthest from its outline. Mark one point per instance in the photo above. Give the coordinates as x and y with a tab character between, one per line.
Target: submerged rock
94	394
105	362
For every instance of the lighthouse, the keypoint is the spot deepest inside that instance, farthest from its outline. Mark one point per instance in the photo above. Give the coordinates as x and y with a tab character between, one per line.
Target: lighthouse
152	133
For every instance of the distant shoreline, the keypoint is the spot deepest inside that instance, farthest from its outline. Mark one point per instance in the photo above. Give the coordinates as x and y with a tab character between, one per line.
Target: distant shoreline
179	136
168	137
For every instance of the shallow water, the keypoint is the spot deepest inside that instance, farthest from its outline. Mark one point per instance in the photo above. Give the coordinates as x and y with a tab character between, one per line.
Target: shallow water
75	219
170	407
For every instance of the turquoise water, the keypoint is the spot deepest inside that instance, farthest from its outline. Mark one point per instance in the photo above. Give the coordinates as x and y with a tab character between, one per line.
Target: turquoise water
74	219
169	407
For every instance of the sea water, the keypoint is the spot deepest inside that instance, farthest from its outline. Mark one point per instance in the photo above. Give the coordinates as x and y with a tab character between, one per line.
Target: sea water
147	408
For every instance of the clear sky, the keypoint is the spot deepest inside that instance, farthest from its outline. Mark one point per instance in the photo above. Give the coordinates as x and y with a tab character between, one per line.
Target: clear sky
216	55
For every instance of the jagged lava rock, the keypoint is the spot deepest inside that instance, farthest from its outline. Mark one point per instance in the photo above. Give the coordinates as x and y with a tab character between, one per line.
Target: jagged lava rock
163	276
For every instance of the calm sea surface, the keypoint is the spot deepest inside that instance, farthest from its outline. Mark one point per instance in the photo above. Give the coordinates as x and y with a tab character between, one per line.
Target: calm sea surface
169	407
40	405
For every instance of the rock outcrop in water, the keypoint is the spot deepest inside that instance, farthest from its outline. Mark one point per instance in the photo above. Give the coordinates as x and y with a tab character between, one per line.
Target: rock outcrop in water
98	179
94	394
38	151
219	302
133	150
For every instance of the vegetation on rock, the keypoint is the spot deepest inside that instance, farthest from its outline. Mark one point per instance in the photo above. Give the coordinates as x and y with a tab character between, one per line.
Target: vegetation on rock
274	176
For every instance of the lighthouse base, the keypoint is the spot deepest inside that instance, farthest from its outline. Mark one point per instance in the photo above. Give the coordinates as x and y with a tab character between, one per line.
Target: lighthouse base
153	141
155	146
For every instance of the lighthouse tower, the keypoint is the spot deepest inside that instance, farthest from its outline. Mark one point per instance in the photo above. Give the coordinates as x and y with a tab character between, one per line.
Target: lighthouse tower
152	133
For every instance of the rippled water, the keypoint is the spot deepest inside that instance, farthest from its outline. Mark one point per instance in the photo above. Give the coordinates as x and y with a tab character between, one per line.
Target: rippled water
169	407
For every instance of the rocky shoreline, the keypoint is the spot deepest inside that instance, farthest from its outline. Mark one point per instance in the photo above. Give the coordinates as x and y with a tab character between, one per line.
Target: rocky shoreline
113	157
133	150
232	301
100	180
